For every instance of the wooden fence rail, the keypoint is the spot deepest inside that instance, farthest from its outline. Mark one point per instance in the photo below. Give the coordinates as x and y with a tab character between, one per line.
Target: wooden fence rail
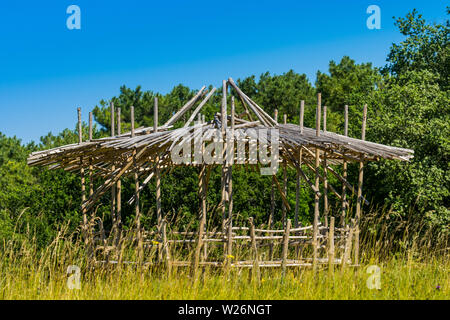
333	244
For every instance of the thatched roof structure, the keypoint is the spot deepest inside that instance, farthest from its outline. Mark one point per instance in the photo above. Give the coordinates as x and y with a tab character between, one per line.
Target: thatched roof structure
141	147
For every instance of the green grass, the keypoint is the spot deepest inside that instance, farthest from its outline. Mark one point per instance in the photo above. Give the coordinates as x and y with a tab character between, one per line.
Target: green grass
414	265
400	279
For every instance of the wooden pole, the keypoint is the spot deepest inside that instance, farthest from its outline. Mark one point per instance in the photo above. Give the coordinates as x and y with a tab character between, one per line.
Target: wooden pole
284	180
285	246
272	193
160	216
91	178
302	113
224	166
298	186
316	196
113	187
201	228
119	182
325	172
272	198
255	270
90	126
91	181
331	246
136	194
348	244
230	180
360	183
83	186
344	172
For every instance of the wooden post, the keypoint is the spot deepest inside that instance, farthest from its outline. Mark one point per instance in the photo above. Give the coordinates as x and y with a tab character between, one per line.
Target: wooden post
136	194
344	172
201	228
119	182
272	193
285	246
255	270
316	196
83	186
230	180
160	216
90	126
205	184
91	181
113	187
284	180
298	186
331	246
224	166
302	113
325	171
272	198
348	244
360	183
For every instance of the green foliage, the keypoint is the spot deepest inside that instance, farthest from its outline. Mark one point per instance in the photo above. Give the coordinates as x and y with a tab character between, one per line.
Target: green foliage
426	47
408	107
412	112
282	92
348	83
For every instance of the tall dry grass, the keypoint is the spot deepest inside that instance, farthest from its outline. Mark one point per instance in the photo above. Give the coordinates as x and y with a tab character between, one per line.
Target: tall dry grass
413	258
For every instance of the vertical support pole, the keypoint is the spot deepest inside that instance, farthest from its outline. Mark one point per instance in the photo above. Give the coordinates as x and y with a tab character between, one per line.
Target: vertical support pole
344	172
325	171
224	166
137	194
348	244
91	185
160	216
90	126
205	184
91	181
255	271
285	247
272	192
229	157
360	183
331	246
284	180
119	182
316	196
83	186
302	115
272	198
113	187
201	228
298	186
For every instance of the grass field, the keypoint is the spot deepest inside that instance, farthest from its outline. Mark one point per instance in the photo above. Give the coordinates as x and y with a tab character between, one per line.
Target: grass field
413	265
399	278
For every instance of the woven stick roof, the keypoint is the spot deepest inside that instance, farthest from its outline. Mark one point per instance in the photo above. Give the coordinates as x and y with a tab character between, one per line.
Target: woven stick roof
128	152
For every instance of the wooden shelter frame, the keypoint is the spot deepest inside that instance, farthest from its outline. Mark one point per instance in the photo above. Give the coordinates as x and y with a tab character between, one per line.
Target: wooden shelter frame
145	154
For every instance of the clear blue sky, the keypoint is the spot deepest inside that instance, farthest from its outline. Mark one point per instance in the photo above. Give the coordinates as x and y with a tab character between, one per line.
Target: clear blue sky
46	70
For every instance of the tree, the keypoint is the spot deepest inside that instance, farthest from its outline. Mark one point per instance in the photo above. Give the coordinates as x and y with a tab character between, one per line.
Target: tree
412	112
282	92
426	47
349	84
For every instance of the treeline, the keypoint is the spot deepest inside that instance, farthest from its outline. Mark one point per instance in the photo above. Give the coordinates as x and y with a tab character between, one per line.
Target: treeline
409	107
